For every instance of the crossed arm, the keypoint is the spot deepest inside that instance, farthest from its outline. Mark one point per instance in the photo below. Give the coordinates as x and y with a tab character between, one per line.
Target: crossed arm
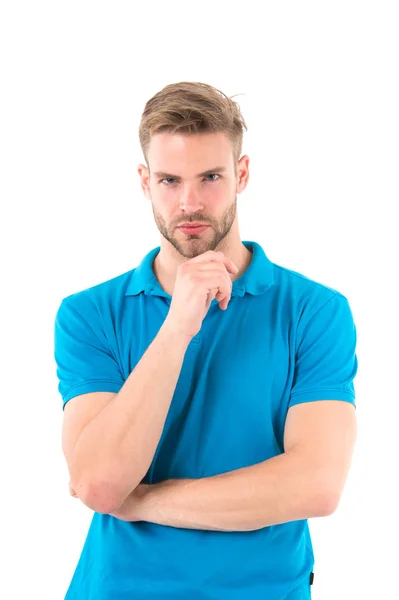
305	481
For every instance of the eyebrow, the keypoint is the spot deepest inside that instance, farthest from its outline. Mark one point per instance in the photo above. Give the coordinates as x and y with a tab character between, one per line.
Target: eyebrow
162	175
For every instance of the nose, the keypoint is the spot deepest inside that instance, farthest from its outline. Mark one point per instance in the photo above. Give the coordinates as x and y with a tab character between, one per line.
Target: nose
190	200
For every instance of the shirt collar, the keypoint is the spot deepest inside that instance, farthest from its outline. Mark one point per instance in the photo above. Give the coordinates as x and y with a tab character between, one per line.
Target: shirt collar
256	280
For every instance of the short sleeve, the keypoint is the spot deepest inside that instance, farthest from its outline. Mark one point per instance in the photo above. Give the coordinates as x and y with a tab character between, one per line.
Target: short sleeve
83	357
326	362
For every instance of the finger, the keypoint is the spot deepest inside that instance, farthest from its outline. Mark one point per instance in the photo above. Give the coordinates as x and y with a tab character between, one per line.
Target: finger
222	284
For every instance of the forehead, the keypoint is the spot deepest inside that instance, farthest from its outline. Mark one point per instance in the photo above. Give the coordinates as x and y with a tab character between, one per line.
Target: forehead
173	152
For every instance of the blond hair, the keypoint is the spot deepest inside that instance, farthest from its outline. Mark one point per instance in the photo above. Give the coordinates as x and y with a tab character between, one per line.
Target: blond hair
191	107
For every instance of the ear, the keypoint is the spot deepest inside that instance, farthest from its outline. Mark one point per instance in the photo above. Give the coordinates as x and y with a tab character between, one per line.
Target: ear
242	173
144	180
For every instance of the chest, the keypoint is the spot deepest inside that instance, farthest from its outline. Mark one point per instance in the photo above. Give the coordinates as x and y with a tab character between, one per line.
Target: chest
229	404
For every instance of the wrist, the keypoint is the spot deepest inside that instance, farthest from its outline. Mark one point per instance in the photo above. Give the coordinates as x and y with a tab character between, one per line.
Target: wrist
174	335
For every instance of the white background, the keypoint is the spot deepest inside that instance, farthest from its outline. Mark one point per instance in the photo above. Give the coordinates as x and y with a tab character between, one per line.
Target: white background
317	83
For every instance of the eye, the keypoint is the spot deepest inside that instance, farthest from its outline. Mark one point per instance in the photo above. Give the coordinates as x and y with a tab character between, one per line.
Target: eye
171	179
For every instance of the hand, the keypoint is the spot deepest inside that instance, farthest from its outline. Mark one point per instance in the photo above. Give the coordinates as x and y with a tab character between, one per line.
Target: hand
198	281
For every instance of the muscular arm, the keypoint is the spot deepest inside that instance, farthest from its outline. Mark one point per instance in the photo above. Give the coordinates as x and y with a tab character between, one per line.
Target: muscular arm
102	470
305	481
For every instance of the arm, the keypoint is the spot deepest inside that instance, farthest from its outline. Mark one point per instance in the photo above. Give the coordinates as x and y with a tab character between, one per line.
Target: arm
102	470
305	481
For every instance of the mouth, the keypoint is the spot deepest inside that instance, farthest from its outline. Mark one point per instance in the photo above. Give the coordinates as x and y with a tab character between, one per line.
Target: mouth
193	230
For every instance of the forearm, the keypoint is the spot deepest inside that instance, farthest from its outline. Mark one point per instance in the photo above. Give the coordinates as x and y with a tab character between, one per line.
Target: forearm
115	449
282	489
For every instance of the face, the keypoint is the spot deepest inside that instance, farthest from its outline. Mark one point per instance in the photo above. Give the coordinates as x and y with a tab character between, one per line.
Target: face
192	180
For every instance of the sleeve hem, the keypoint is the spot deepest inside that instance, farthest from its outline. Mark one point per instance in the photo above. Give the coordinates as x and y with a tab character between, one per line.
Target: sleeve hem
96	385
314	395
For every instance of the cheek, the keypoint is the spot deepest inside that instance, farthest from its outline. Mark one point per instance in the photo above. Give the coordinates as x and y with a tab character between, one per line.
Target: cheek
215	194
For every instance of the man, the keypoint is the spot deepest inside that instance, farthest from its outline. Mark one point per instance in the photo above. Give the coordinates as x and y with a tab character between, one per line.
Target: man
209	407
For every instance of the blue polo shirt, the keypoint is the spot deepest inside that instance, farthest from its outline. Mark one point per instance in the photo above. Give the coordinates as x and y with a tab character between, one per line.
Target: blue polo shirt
284	339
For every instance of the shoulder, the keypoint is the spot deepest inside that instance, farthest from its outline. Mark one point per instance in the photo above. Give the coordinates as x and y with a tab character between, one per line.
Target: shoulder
100	296
303	295
299	282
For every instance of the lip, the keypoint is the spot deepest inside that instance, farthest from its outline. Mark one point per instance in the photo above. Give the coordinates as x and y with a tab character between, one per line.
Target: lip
196	224
189	229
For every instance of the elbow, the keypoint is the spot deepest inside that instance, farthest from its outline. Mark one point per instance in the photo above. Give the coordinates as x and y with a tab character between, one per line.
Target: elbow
99	498
325	502
100	493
